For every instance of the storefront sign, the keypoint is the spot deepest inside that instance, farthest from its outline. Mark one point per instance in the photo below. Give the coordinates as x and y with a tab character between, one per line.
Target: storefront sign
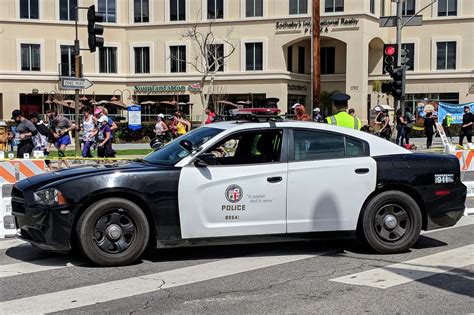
134	117
297	87
193	88
327	25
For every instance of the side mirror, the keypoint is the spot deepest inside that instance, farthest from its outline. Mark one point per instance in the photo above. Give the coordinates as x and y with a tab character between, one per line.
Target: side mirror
205	159
187	145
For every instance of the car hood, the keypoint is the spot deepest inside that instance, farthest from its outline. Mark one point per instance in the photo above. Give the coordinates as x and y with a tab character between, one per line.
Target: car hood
89	170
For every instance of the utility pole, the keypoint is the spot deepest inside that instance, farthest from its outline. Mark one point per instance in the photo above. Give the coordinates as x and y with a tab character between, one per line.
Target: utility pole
316	40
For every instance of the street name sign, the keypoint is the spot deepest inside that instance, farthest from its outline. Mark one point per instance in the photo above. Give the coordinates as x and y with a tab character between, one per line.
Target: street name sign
391	21
71	83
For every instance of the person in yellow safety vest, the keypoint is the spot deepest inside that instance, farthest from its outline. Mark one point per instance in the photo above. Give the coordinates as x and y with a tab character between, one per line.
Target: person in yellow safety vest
343	118
447	121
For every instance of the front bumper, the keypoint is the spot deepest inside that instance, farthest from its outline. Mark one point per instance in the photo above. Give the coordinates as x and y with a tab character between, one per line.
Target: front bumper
48	228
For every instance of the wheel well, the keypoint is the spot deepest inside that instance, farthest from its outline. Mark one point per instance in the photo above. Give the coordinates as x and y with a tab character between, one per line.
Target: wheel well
123	194
405	189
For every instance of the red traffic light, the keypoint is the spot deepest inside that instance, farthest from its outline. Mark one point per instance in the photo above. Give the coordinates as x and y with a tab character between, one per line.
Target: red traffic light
390	50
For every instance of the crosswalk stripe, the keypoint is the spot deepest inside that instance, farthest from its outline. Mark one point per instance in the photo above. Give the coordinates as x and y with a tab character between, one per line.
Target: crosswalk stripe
89	295
6	244
412	270
37	266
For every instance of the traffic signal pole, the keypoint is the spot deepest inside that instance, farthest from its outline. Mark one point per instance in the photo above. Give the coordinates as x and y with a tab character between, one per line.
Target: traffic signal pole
401	100
78	69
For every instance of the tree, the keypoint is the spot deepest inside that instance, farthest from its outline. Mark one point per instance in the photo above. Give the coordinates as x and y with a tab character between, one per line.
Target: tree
210	55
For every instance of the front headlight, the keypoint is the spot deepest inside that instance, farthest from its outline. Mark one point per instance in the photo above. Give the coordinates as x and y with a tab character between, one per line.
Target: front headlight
49	197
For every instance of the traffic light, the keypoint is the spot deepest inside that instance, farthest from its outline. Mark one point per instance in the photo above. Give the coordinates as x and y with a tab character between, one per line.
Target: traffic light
94	29
389	58
395	88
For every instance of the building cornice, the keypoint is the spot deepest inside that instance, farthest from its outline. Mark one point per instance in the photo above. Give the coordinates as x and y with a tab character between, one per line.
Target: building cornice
430	75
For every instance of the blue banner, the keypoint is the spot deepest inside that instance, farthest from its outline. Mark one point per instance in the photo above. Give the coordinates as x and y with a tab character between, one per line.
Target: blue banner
134	117
456	111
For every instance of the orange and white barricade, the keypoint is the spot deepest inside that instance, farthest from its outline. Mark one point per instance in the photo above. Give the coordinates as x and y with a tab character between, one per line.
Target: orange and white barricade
7	221
12	171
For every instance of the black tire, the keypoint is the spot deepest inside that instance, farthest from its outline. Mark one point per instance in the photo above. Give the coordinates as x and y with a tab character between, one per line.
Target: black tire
113	232
377	222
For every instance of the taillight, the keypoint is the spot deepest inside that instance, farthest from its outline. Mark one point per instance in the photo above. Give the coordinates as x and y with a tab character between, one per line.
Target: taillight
442	192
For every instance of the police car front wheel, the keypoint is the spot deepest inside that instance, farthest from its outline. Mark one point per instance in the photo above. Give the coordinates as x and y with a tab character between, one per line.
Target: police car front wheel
113	232
391	222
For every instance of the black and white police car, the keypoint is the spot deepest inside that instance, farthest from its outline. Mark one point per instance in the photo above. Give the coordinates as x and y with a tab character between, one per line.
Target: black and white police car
238	182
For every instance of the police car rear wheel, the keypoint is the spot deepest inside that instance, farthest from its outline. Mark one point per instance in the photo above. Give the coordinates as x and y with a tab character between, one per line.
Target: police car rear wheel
113	232
391	222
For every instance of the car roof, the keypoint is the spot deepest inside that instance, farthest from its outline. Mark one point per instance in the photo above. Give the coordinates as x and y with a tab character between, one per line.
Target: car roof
378	146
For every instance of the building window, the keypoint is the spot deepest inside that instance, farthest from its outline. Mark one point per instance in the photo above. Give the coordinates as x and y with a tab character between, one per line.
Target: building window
108	60
447	7
178	58
408	7
67	10
382	7
333	6
141	11
215	9
29	9
253	8
142	59
446	55
372	6
253	56
177	10
67	61
290	59
409	61
30	57
301	59
215	57
298	6
108	9
328	60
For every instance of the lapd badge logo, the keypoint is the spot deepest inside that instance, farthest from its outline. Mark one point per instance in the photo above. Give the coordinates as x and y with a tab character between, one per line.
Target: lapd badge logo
234	193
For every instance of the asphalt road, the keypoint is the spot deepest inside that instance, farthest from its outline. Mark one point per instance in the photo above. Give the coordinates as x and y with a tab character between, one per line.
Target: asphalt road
437	276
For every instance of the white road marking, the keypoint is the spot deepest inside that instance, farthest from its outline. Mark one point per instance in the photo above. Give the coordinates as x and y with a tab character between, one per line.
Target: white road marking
89	295
37	266
9	243
412	270
465	220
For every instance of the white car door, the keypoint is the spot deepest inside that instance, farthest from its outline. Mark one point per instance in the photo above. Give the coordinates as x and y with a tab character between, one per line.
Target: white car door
329	178
244	194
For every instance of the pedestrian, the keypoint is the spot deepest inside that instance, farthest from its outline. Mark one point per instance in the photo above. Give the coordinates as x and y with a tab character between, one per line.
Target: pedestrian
401	123
352	112
301	115
466	129
26	131
89	132
60	127
447	121
317	115
342	118
104	137
211	115
113	126
179	125
44	136
429	125
410	120
161	128
385	129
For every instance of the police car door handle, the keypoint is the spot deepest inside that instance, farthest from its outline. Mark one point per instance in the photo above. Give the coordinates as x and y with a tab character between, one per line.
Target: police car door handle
362	170
274	179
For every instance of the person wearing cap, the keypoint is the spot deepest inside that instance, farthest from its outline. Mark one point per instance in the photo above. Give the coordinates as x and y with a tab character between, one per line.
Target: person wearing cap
466	129
26	130
161	128
60	127
317	117
104	149
293	108
343	118
211	115
301	114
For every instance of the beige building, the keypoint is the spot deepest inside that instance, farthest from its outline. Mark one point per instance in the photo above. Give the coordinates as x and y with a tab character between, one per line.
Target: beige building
272	55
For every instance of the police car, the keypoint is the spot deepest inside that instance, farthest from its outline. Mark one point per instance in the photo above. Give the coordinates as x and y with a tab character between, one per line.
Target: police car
239	182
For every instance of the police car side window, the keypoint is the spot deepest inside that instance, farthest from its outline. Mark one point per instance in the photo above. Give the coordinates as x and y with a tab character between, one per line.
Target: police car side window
250	147
316	145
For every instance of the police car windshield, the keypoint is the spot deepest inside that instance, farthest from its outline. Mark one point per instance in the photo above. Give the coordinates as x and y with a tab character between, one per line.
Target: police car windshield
173	152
